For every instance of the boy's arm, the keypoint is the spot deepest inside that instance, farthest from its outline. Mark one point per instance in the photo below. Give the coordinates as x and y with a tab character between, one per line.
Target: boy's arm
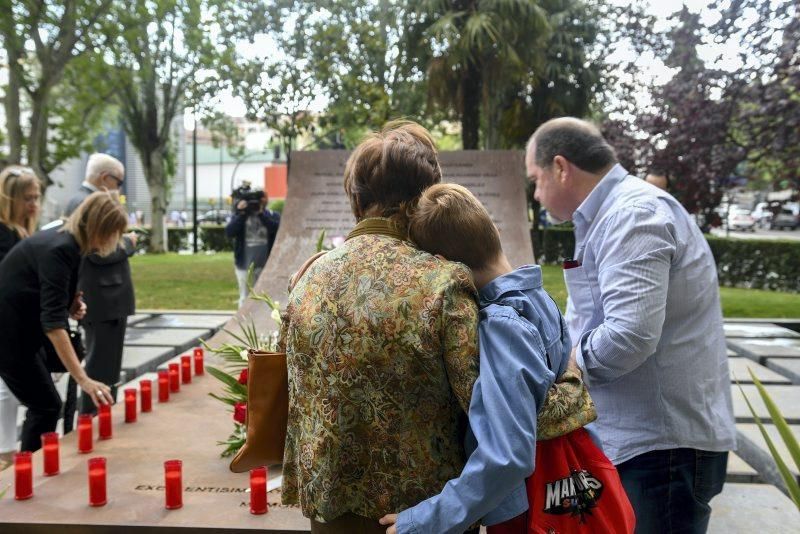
512	385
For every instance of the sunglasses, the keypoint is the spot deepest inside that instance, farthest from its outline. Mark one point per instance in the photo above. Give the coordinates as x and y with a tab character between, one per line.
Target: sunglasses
118	180
20	171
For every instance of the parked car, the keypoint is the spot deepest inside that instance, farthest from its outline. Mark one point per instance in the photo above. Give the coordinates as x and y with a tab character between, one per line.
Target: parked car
786	218
762	214
214	217
741	219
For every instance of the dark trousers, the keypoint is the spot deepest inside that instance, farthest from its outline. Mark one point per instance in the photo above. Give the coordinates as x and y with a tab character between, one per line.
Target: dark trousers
670	490
30	381
104	343
348	524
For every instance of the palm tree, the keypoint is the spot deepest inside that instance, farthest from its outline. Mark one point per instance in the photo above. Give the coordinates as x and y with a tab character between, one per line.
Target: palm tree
476	45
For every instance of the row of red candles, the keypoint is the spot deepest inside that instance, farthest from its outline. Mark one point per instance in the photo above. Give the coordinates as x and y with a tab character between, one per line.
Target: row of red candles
168	382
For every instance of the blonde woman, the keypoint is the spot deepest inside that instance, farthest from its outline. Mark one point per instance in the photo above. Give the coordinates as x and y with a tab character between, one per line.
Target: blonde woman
38	281
19	211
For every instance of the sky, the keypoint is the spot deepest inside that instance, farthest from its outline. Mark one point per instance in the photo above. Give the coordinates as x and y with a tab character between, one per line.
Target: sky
652	68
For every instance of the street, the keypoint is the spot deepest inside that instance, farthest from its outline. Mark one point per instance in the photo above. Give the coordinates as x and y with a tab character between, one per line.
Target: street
760	233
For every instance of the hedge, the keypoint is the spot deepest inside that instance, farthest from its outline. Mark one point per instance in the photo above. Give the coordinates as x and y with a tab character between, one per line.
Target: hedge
748	263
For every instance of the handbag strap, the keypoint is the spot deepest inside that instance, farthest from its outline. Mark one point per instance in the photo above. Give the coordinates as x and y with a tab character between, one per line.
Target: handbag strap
303	268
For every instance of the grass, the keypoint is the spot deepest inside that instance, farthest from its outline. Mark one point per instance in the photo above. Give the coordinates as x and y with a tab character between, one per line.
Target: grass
185	282
172	281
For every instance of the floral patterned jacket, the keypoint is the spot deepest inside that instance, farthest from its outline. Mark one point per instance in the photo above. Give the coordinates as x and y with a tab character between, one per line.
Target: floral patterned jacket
382	357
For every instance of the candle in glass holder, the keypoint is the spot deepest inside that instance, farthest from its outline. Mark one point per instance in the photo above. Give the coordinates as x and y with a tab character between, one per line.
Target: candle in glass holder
104	421
50	453
85	433
174	378
130	405
97	481
186	369
146	387
173	484
163	386
23	475
258	491
198	361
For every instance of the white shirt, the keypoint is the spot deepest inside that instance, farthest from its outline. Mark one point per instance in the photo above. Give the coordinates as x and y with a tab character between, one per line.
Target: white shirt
645	314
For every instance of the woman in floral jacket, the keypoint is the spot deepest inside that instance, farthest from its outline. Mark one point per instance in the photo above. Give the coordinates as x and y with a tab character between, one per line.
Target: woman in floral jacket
381	349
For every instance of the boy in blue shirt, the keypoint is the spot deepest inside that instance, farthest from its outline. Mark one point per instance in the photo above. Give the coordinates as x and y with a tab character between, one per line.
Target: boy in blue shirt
524	346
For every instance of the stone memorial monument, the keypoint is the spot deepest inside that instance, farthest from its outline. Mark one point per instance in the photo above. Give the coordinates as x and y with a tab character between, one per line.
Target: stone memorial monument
316	202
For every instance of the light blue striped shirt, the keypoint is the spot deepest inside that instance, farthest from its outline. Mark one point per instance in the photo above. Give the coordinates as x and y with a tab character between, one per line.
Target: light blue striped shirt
644	308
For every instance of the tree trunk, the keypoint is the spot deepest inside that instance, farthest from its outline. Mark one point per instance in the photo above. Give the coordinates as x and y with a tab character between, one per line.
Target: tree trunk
471	106
12	110
157	183
37	136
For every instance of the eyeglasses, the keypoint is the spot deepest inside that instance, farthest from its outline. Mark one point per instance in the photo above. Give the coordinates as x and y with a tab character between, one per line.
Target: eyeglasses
118	180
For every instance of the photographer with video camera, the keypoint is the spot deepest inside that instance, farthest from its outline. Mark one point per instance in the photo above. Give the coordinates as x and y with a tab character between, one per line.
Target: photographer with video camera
253	228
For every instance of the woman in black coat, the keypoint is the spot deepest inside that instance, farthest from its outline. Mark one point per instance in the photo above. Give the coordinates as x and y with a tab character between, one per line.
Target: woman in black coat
19	211
38	280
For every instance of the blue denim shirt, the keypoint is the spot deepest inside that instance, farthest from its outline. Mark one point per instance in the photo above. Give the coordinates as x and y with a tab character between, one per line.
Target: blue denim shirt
645	315
524	345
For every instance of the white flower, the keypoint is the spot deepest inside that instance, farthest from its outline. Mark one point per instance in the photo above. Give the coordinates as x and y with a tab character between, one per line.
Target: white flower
243	354
276	315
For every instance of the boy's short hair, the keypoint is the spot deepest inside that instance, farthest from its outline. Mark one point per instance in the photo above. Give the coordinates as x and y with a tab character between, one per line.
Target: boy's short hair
450	221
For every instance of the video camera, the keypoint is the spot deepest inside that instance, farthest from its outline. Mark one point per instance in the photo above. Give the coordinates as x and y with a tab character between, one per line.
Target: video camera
253	197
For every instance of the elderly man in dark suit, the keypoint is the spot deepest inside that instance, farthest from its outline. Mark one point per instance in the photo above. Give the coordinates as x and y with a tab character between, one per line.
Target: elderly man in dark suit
106	285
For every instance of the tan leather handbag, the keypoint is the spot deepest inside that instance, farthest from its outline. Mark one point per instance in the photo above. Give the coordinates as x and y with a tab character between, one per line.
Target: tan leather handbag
267	403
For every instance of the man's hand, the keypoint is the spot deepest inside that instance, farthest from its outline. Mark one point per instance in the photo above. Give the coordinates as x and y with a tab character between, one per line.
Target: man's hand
78	309
242	204
389	520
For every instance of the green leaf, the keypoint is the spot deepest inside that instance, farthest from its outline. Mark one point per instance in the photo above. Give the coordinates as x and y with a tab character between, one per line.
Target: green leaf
780	422
791	483
230	381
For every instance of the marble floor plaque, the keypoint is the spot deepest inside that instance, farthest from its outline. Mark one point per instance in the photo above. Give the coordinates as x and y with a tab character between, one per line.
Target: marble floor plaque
758	330
180	339
739	370
787	398
786	366
761	349
753	449
749	508
740	471
175	320
139	360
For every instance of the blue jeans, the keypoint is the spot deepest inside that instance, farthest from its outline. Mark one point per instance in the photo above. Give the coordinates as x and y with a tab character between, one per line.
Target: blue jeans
670	490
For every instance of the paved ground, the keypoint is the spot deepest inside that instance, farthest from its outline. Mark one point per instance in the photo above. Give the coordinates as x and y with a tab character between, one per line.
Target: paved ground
752	500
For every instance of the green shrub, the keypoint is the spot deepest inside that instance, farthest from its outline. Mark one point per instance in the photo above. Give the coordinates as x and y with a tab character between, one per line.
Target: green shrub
755	263
553	245
747	263
276	205
177	238
214	238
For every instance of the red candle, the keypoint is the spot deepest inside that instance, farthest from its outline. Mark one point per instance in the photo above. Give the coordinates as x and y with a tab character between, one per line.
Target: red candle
186	369
163	386
130	405
23	475
198	361
97	482
146	387
50	452
258	491
104	421
174	378
173	484
85	433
